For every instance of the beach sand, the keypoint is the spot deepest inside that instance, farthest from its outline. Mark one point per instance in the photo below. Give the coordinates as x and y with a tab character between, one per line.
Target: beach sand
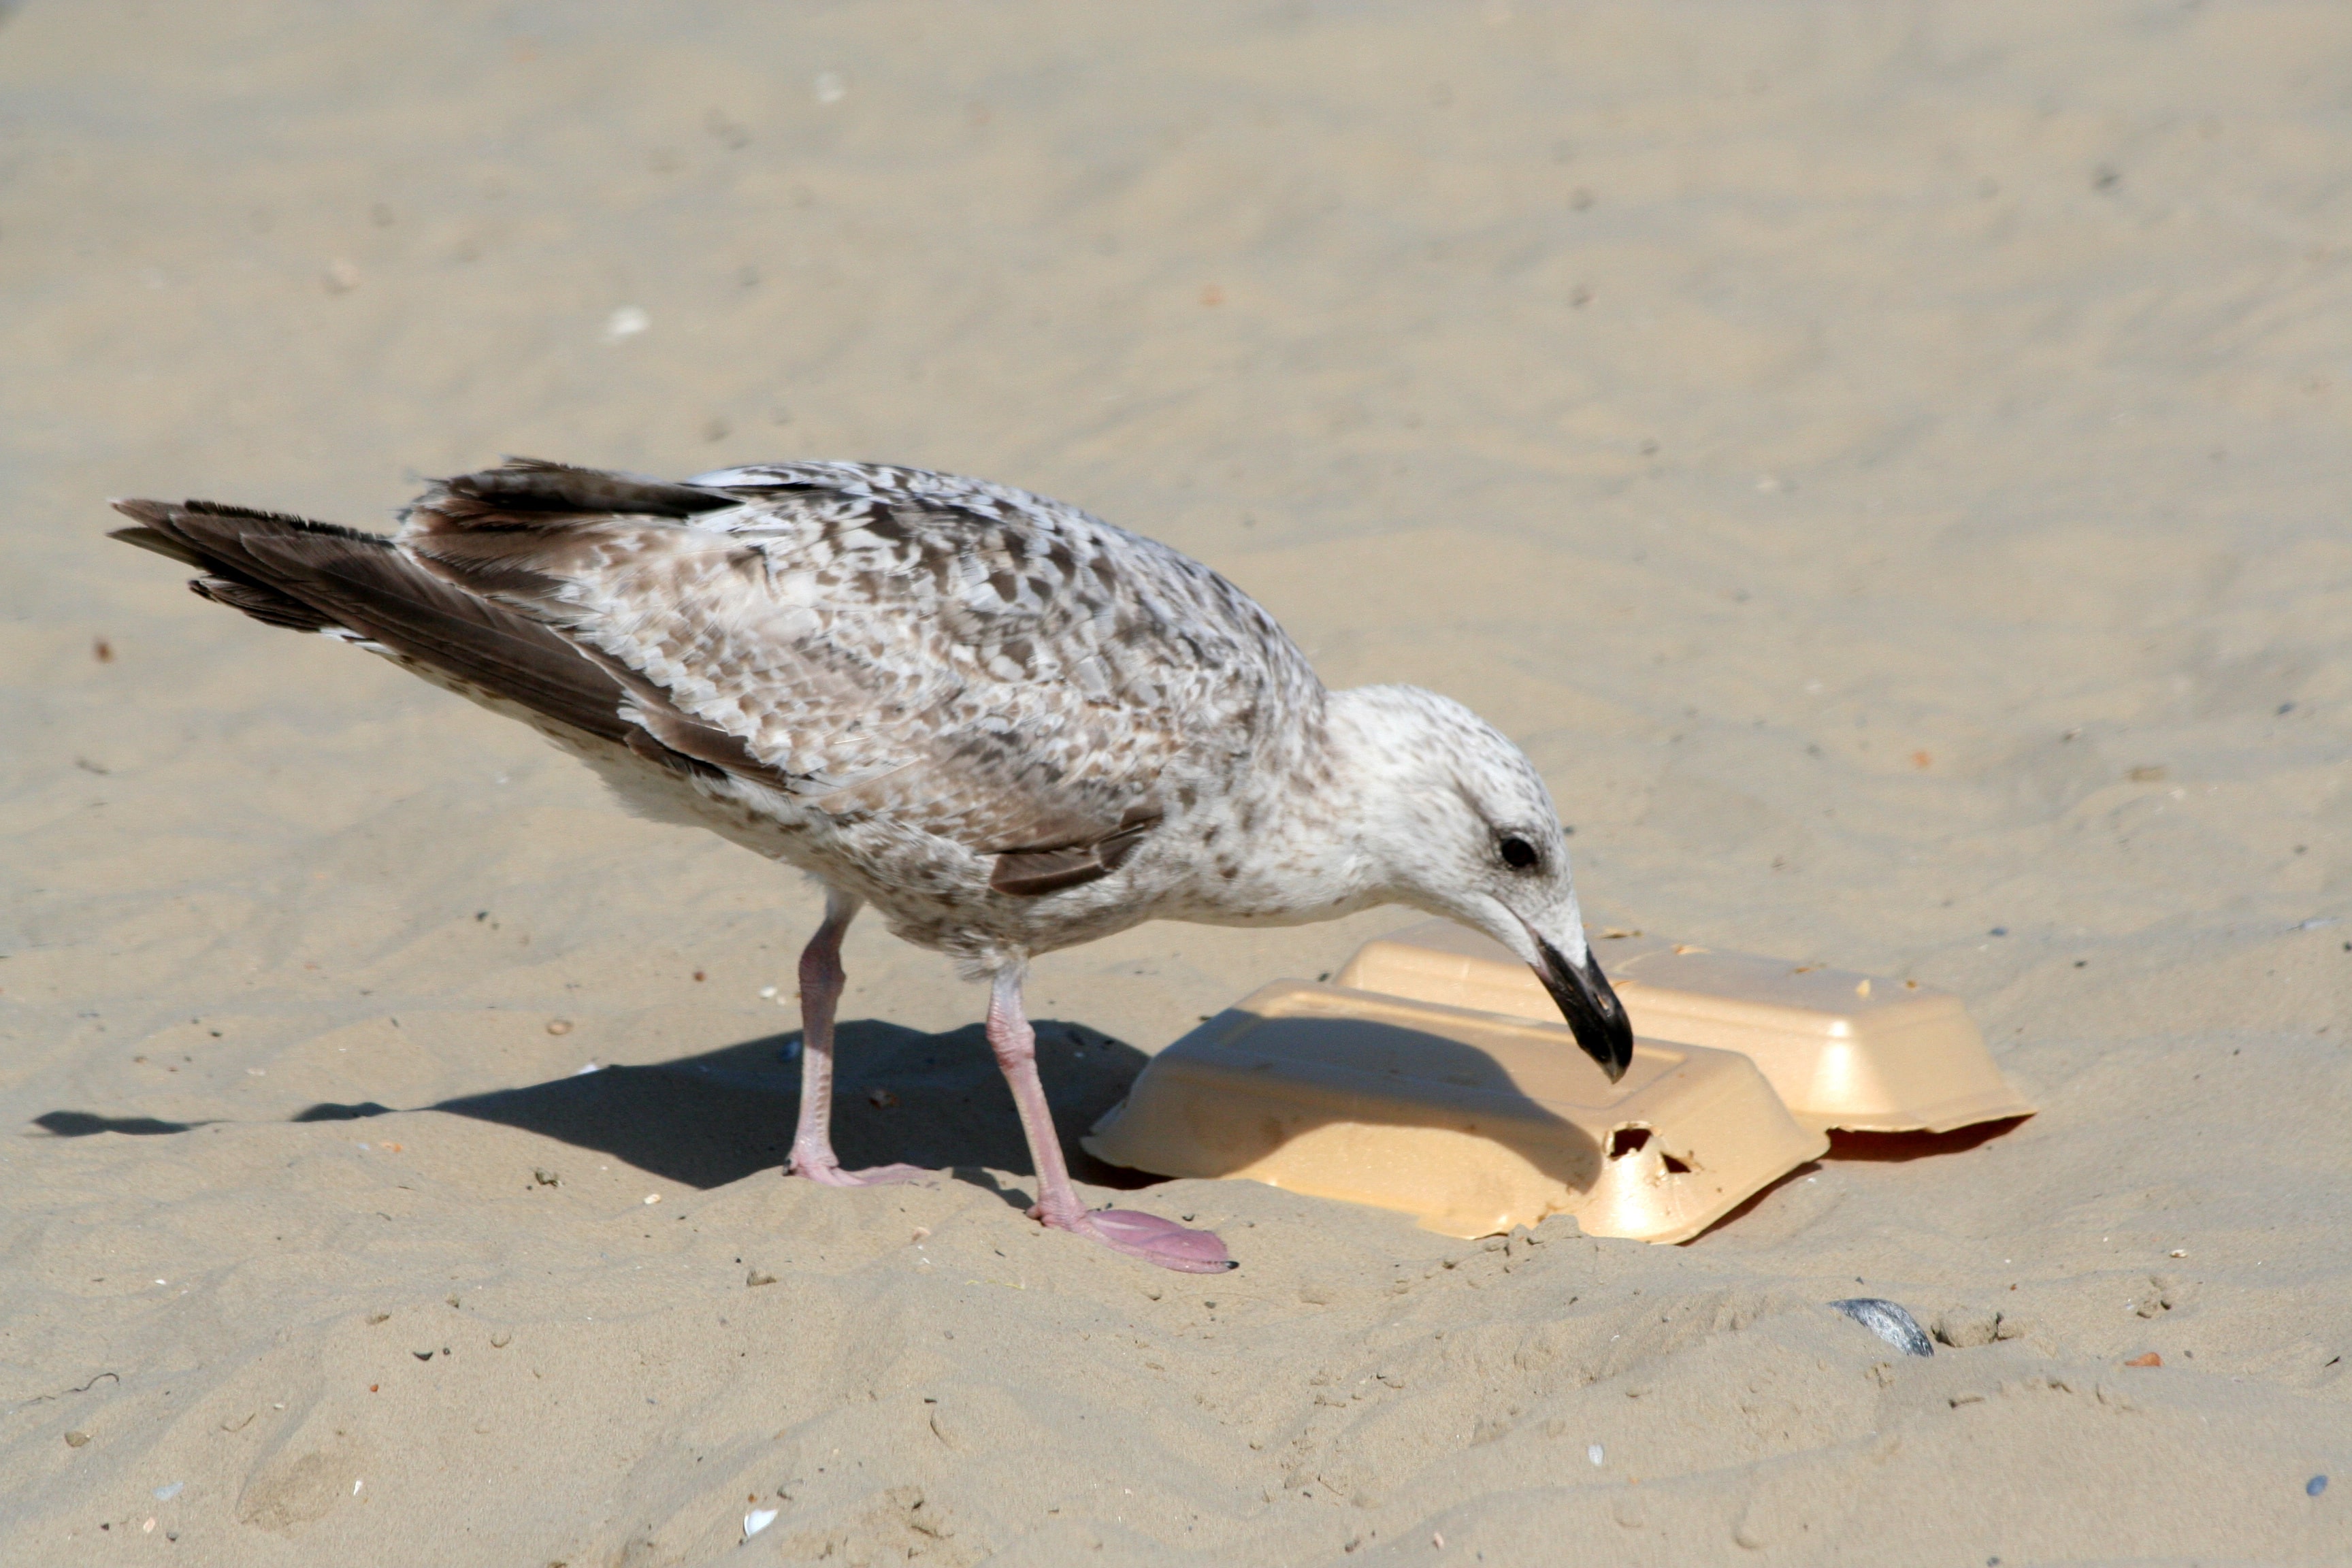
1888	465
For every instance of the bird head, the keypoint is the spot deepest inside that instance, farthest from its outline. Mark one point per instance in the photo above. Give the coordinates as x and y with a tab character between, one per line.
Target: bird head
1459	824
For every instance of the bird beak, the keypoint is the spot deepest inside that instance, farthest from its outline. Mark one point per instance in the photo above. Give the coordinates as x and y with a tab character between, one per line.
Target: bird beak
1591	1007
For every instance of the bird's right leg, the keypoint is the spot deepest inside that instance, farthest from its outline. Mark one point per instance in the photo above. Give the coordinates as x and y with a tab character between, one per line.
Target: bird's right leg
821	984
1144	1236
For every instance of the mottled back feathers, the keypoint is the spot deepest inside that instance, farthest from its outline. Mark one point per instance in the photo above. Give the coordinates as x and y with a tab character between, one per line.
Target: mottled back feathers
964	660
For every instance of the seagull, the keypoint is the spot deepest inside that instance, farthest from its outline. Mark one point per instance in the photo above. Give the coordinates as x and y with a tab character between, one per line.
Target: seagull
1007	725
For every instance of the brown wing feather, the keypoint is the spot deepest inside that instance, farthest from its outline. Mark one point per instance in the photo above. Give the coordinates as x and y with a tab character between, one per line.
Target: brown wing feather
530	492
222	583
309	576
306	577
380	593
263	604
1028	873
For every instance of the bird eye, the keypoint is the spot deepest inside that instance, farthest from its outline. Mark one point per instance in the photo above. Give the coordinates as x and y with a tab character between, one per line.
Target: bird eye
1518	854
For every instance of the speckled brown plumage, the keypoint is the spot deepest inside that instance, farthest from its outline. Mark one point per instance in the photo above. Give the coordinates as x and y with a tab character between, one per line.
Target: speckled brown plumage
954	696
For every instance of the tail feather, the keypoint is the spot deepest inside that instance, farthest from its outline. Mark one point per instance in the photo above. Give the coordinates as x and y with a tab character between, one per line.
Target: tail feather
211	538
316	576
181	533
265	605
162	545
380	593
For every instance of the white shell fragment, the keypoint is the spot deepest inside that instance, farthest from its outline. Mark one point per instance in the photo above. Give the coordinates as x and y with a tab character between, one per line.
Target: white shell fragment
1890	1322
758	1519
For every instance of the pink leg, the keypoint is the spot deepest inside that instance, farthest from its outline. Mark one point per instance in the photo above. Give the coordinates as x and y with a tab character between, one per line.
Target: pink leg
1147	1236
821	982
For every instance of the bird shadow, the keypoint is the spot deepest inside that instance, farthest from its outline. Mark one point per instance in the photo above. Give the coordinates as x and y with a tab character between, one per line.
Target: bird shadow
707	1120
83	1123
936	1100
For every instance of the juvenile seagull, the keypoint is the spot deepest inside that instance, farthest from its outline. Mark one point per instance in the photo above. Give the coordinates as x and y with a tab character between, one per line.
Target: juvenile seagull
1007	725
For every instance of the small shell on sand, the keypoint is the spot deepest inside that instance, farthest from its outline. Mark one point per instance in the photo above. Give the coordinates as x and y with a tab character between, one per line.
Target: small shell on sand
1890	1322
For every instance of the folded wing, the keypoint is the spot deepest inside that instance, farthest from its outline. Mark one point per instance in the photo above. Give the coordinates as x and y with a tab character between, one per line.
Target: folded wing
968	660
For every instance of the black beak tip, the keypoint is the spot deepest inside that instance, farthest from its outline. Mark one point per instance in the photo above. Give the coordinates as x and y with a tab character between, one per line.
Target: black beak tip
1613	1062
1613	1050
1591	1007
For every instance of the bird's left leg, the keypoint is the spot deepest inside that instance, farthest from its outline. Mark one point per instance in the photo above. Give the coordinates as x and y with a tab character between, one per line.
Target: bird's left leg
1144	1236
822	980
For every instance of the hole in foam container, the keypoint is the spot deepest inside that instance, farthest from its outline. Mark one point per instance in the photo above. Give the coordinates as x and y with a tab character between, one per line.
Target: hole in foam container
1626	1140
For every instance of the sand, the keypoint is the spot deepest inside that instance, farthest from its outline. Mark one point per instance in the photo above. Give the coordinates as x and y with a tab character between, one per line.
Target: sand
1888	464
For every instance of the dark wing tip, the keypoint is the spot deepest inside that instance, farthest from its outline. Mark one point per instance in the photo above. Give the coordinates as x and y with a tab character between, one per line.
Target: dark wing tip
157	541
534	492
263	602
147	511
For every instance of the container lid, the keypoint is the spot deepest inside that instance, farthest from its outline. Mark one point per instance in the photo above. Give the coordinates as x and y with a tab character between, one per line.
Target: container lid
1472	1121
1842	1049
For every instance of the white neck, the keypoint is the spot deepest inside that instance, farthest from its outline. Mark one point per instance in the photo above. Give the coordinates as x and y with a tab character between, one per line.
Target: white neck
1326	849
1386	753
